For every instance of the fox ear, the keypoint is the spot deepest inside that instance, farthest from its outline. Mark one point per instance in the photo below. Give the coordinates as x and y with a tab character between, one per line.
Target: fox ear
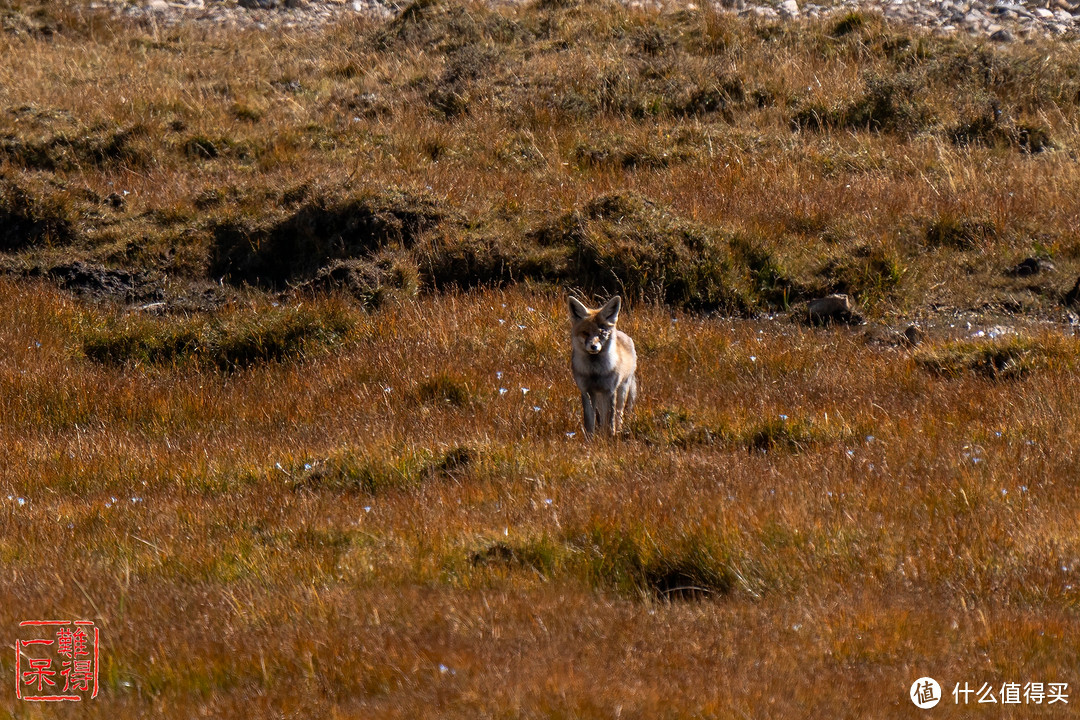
610	311
577	310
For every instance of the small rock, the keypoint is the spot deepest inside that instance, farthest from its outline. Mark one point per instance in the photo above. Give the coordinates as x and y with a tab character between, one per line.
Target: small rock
1002	36
290	86
1031	266
913	336
789	9
259	4
831	308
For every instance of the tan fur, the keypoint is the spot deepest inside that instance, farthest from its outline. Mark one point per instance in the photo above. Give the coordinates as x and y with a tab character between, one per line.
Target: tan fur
604	363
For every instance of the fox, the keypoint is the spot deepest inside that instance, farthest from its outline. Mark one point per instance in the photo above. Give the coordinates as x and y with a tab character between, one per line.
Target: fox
604	364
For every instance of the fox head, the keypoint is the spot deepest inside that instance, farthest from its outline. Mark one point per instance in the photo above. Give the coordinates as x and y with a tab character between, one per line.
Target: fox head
594	329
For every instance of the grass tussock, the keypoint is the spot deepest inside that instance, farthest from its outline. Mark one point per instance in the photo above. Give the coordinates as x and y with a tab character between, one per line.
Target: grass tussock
990	129
104	149
681	429
628	244
963	233
27	220
1010	358
446	388
352	471
628	560
239	341
889	105
322	230
868	275
384	278
688	565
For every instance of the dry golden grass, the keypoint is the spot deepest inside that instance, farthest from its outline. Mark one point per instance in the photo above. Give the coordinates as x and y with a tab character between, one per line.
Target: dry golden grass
293	503
917	523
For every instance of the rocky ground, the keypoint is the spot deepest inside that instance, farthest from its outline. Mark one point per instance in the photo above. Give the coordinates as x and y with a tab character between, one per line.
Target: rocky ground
1001	21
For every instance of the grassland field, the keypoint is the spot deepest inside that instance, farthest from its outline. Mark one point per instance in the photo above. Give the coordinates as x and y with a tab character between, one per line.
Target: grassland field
285	400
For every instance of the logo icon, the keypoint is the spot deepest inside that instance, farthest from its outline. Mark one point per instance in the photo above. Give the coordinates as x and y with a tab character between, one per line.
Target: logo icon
56	660
925	693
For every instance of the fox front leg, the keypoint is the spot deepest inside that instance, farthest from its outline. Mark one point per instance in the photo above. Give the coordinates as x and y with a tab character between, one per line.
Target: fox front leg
605	408
588	414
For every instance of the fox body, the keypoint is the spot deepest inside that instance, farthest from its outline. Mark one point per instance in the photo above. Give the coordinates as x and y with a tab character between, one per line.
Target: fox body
604	362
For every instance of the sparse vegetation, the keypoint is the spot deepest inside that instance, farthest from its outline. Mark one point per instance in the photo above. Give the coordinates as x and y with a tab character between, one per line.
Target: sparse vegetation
283	353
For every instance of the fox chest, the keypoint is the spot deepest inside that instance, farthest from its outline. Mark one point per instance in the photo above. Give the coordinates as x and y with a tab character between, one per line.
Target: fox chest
595	373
